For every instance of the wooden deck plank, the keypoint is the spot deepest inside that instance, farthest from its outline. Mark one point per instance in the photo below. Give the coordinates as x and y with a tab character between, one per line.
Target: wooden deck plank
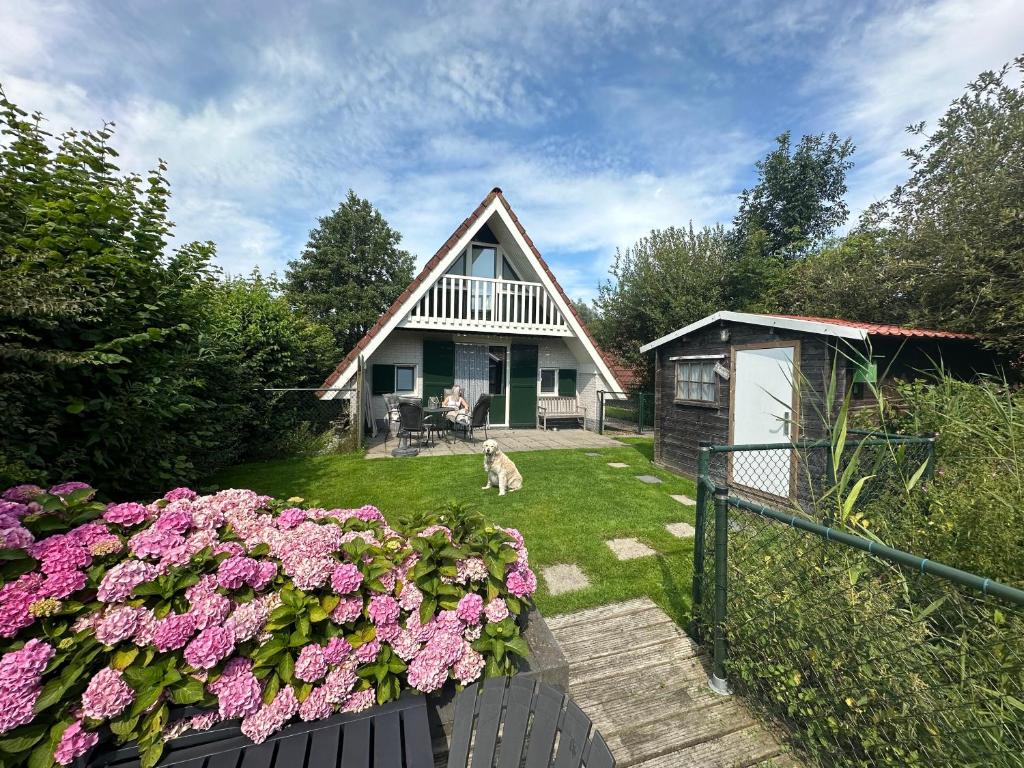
739	749
643	681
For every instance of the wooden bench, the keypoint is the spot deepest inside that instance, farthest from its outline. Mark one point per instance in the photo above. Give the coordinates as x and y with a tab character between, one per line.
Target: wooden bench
560	408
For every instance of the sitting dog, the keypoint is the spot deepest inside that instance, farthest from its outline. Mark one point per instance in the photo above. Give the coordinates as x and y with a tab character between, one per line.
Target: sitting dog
500	470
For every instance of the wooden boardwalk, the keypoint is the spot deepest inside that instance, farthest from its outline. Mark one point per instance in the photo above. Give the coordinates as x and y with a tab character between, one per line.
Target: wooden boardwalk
643	681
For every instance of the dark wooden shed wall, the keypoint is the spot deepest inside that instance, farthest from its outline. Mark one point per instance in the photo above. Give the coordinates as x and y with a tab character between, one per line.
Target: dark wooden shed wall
679	428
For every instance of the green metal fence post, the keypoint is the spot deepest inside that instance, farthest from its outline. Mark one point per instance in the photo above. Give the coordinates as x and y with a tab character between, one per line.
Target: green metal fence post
600	411
718	683
639	413
697	591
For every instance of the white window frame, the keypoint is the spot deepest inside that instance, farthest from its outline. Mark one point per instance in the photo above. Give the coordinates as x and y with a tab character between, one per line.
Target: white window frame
707	363
395	388
540	382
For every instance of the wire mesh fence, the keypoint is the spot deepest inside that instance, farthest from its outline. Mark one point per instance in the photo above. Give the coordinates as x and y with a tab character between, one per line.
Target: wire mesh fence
626	412
298	421
864	655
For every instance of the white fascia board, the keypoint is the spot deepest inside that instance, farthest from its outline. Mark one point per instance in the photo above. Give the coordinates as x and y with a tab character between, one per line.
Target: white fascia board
425	285
766	321
556	295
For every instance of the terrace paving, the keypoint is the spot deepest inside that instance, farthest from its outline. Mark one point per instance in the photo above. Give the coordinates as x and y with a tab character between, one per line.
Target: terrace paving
509	441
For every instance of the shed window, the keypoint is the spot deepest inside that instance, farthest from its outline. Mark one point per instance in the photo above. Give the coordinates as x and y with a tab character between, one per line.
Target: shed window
695	380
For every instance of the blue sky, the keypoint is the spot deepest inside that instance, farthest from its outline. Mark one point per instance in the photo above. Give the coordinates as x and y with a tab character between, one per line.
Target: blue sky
599	120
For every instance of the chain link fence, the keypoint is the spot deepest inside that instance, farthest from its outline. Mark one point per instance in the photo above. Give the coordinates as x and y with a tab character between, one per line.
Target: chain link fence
625	413
865	655
297	421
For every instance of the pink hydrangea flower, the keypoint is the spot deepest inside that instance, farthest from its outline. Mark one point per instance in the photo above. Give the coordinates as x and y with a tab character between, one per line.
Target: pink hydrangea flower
237	690
359	701
290	518
411	598
230	547
266	572
107	695
470	607
16	537
316	706
388	632
521	582
471	569
177	494
348	610
470	665
311	573
211	609
204	721
346	579
20	673
271	717
496	610
248	619
146	624
340	682
368	652
117	625
119	581
236	571
173	631
383	609
127	514
62	584
209	647
405	645
337	650
311	664
175	520
74	742
23	494
61	552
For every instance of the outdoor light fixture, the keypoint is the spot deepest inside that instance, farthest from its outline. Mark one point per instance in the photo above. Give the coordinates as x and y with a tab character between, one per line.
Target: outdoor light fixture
723	334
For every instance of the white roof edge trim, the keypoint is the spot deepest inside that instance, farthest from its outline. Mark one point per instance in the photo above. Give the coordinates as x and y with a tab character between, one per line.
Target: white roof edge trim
495	205
570	316
416	295
767	321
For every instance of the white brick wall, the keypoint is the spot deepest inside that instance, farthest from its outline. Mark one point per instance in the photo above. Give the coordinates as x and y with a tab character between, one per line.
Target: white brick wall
401	348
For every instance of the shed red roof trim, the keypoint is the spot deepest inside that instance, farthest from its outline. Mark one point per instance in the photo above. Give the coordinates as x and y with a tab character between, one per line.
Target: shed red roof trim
881	329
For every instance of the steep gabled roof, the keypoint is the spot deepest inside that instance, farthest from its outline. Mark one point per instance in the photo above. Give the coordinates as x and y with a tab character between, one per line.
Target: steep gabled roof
398	305
826	326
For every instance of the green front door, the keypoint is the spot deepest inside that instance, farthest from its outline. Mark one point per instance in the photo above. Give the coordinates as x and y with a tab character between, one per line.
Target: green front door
438	367
522	388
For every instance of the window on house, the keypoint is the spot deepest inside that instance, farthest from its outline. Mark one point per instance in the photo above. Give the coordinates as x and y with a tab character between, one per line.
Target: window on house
405	378
496	370
507	273
549	381
695	380
484	261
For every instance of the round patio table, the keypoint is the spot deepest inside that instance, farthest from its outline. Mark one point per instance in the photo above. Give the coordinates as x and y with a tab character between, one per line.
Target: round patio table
441	423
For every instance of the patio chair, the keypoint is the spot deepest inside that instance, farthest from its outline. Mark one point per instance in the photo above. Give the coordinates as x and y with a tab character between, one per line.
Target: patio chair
478	419
392	417
505	705
412	421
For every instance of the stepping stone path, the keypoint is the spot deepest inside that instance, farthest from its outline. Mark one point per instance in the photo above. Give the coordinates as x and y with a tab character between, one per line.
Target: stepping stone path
629	549
681	530
617	464
649	479
686	500
593	455
564	577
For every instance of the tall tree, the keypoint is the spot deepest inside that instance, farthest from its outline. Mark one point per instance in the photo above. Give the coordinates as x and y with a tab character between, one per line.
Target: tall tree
797	203
350	271
666	280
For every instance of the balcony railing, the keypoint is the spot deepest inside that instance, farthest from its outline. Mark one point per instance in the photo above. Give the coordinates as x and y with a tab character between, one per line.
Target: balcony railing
483	303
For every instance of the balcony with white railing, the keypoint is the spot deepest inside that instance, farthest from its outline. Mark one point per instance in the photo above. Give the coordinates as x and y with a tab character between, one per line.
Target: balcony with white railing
484	304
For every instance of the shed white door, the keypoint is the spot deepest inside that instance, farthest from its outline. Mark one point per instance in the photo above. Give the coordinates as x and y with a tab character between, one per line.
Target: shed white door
762	411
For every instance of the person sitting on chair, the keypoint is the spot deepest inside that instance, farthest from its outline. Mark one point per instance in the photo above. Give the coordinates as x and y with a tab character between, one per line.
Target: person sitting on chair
460	408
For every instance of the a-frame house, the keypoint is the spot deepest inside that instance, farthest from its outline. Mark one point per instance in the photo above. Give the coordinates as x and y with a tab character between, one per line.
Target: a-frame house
486	313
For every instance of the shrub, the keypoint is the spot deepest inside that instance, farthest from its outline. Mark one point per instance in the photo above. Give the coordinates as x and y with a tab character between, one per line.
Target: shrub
236	603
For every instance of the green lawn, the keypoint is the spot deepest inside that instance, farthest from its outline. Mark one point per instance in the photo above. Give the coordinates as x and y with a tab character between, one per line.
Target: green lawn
569	505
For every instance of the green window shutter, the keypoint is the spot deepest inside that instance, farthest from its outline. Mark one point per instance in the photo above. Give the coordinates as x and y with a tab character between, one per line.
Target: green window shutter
383	379
438	367
567	382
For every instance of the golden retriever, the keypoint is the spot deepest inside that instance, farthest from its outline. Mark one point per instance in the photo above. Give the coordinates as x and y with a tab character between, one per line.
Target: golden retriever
500	469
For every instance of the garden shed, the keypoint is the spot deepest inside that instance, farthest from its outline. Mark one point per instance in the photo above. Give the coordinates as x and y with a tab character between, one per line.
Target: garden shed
745	378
